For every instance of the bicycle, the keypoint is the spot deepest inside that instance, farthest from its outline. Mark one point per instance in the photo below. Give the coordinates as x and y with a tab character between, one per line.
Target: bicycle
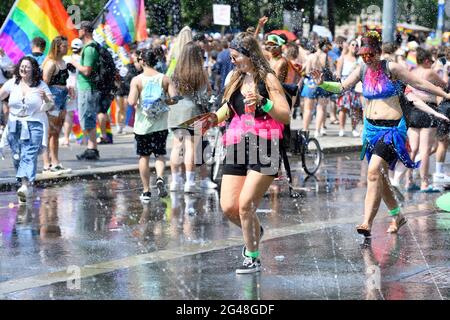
301	144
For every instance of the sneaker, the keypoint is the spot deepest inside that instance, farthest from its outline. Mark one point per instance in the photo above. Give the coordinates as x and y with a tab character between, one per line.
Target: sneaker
145	197
355	133
24	193
341	133
160	185
119	130
59	169
207	184
250	265
441	178
317	134
89	154
261	234
323	132
190	187
47	170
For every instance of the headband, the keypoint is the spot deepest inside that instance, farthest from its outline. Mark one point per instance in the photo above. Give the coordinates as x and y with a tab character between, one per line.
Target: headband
276	39
236	45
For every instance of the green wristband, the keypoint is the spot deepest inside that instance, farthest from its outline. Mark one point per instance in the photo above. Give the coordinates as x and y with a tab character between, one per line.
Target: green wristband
394	212
334	87
268	106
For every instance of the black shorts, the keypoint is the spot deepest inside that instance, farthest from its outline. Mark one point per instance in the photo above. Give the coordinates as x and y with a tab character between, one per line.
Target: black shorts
419	119
255	154
105	102
154	142
443	128
385	151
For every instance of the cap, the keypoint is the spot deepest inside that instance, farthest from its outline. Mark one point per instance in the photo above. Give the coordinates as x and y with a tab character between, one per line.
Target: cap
76	44
370	43
275	39
86	25
413	45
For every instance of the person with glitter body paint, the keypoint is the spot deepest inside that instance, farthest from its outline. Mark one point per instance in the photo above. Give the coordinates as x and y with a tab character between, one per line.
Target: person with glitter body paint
384	136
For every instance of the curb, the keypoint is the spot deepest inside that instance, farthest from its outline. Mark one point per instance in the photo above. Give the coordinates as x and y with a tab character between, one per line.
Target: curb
9	184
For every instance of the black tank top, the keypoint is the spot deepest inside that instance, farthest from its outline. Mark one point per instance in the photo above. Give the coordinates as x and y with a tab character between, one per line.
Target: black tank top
60	78
237	101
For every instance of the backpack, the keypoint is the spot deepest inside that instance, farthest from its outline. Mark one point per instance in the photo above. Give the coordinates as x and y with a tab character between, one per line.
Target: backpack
103	77
152	103
405	104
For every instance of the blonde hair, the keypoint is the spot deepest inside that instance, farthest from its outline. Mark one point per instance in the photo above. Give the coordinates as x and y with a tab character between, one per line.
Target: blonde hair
183	37
247	41
54	49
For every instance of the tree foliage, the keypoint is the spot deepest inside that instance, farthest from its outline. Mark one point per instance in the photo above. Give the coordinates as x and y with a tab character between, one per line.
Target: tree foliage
245	13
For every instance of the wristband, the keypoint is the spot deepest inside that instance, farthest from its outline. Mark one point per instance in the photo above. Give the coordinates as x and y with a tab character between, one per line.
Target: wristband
222	113
394	212
267	106
334	87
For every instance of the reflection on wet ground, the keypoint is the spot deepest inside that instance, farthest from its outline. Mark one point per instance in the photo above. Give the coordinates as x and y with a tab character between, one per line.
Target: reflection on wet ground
182	247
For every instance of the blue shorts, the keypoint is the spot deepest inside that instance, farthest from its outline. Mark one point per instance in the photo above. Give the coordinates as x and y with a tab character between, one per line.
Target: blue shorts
312	91
88	107
60	97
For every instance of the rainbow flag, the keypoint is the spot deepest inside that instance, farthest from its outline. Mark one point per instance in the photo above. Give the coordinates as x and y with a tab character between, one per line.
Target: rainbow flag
126	20
78	132
130	115
76	127
28	19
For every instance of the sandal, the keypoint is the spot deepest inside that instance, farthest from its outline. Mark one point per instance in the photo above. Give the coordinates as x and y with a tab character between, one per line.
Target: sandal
335	122
395	225
364	230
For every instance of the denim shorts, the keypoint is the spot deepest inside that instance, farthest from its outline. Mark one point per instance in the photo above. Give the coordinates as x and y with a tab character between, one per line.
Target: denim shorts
88	106
25	152
60	97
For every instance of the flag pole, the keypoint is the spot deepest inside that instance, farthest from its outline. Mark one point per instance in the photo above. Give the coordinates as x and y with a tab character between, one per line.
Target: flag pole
9	16
99	18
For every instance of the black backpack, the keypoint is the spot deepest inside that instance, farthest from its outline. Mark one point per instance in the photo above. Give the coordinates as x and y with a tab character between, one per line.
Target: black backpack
103	77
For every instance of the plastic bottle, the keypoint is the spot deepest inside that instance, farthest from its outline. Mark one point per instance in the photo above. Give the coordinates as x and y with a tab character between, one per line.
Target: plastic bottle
249	110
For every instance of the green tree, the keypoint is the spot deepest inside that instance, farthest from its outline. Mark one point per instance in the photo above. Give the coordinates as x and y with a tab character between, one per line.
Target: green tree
425	11
89	9
5	6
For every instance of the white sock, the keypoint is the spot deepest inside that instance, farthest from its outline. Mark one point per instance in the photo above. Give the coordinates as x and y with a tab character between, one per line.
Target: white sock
439	167
190	176
176	177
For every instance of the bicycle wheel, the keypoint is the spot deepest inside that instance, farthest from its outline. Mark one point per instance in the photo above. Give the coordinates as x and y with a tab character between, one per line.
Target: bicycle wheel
218	155
312	156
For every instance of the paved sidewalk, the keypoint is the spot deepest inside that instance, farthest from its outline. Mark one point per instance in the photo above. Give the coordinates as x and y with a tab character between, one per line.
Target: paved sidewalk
120	157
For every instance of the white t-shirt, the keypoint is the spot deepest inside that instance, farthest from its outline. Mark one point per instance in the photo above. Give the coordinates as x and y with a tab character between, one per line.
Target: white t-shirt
28	108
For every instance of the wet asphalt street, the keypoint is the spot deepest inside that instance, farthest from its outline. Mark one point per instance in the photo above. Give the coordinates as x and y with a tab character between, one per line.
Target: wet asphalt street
94	239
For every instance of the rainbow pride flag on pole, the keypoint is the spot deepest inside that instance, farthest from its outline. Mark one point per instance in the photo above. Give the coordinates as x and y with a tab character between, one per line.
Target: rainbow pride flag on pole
120	23
126	20
28	19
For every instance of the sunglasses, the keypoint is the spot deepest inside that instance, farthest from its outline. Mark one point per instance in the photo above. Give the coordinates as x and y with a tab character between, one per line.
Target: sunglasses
368	55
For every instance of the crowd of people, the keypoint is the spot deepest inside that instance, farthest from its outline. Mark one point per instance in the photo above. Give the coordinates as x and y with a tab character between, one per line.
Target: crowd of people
395	98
